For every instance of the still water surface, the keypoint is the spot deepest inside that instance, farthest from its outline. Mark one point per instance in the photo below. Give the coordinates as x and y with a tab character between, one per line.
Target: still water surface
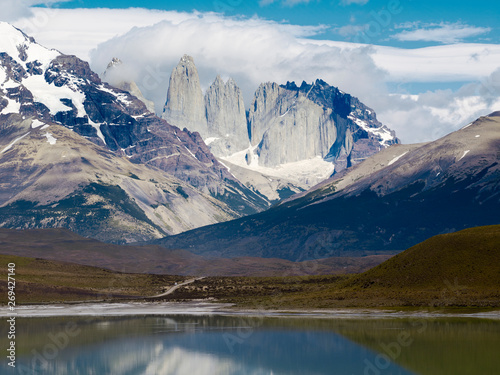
212	345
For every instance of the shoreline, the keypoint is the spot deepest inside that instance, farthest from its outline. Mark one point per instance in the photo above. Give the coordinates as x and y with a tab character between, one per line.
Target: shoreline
210	308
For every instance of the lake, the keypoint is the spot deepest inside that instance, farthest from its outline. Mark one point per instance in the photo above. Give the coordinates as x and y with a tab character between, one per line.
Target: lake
238	344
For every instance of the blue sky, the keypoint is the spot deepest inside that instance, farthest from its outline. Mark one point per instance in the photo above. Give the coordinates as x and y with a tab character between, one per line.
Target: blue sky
401	23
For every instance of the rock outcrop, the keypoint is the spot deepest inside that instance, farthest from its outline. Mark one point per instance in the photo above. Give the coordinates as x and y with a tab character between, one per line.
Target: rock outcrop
219	116
185	106
289	127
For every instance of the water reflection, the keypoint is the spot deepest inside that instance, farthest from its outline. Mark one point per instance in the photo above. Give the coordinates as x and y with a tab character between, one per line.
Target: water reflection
195	345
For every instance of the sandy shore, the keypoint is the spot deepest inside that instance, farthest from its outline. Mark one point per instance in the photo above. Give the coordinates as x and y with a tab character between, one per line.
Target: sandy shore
208	308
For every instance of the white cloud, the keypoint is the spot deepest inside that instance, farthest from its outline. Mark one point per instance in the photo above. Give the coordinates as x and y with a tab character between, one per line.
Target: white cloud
251	51
442	32
15	9
431	115
449	63
68	29
256	50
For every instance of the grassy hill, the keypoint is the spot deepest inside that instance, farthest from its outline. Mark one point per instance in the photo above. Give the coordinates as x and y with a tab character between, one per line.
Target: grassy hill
471	257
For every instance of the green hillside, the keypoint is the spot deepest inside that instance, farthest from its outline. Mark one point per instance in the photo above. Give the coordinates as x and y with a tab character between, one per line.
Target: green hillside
471	257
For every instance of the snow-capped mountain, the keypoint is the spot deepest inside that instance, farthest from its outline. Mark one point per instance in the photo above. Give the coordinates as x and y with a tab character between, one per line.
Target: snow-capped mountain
40	87
393	200
293	137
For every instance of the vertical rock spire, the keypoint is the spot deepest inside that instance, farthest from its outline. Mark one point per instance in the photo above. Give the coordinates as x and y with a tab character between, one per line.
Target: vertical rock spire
226	118
185	106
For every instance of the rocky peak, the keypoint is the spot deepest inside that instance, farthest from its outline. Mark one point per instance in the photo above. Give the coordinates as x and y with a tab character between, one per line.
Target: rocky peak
187	60
264	107
226	117
185	106
114	62
114	75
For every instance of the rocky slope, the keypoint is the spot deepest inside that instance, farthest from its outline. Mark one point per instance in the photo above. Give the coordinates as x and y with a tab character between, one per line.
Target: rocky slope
41	87
53	177
393	200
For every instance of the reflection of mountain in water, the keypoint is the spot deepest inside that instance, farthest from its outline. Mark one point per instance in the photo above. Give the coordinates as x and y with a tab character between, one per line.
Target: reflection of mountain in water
201	345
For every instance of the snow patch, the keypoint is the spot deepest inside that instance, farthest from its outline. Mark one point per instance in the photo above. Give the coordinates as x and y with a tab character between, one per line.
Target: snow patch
50	138
477	136
397	158
14	142
12	106
97	127
305	172
122	97
50	95
12	38
463	156
193	155
36	124
382	133
210	140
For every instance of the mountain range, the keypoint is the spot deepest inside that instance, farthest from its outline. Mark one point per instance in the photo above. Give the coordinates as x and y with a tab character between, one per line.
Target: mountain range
79	153
82	154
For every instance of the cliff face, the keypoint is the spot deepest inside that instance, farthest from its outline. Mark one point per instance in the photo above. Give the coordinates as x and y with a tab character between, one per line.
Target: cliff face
288	127
185	106
315	120
226	118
